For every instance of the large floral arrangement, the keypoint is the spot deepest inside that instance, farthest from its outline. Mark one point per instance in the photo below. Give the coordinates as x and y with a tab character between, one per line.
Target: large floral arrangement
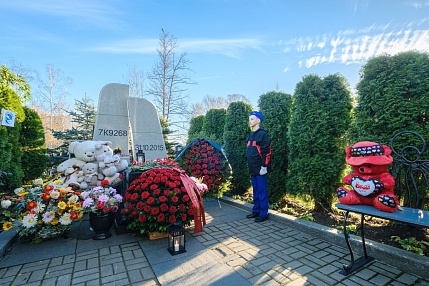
157	163
43	211
206	162
101	199
157	199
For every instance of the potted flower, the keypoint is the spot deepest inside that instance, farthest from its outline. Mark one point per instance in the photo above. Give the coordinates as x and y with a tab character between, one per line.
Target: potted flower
43	211
159	197
101	203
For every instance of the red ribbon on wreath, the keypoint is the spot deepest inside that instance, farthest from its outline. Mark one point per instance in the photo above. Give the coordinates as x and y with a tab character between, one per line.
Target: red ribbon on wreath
196	199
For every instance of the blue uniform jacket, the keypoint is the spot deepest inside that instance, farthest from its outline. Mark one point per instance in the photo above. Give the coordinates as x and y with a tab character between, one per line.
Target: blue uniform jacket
258	151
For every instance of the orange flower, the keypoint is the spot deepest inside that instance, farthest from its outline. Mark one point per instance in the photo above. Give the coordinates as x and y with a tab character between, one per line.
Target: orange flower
31	205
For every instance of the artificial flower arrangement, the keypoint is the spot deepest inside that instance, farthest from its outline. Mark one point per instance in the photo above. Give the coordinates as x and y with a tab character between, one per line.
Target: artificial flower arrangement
43	211
205	160
101	199
162	195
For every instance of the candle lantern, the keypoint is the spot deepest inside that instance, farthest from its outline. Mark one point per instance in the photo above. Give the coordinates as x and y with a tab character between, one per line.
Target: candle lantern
176	238
141	157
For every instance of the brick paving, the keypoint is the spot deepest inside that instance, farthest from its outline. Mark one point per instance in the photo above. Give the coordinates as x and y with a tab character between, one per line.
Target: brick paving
232	250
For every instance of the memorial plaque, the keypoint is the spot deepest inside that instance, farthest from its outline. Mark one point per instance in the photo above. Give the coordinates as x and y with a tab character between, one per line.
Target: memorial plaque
111	122
146	129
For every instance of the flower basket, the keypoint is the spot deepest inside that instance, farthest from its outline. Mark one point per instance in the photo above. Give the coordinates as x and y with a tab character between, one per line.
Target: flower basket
161	196
153	235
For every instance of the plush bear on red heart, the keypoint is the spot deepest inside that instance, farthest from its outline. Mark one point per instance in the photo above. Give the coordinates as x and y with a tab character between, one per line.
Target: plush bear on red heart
370	183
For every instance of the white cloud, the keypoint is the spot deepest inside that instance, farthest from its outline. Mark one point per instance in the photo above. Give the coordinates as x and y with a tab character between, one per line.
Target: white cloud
98	13
418	4
358	46
229	47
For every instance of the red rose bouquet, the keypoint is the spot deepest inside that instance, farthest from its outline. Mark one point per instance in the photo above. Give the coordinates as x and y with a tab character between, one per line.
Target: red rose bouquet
157	199
205	160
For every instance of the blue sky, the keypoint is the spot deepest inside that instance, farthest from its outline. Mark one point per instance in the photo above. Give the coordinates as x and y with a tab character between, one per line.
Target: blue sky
235	47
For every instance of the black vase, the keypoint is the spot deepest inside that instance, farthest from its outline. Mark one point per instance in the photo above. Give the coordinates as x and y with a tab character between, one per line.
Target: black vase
101	224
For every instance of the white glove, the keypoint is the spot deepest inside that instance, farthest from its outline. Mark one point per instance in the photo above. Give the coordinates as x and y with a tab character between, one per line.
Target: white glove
263	171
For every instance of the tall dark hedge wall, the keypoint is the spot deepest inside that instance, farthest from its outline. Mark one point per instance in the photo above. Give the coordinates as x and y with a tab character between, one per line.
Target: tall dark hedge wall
195	128
235	133
10	148
32	139
276	108
213	125
393	95
320	119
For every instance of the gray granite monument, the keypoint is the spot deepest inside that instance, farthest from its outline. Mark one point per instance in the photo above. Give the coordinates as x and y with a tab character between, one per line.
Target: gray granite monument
111	122
146	129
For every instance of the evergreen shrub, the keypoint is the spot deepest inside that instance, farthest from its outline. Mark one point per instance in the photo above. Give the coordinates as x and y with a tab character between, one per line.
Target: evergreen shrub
234	136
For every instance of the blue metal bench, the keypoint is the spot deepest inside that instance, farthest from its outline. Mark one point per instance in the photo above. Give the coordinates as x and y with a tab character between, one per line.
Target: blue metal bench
411	174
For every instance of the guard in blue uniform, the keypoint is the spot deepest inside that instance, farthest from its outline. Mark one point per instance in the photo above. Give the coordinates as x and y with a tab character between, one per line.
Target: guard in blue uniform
258	153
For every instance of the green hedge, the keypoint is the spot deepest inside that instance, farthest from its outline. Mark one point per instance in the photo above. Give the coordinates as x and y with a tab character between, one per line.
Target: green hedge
320	119
32	139
195	128
10	148
213	126
393	96
235	133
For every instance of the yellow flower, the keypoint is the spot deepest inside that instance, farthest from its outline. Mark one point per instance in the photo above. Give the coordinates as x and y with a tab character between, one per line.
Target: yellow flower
40	221
58	182
7	225
62	205
54	221
60	211
77	206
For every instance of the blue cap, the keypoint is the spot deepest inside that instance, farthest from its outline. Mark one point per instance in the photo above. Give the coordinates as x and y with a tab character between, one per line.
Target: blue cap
257	114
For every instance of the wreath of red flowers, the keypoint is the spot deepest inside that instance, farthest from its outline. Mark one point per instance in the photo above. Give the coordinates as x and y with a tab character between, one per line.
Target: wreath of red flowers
157	199
204	161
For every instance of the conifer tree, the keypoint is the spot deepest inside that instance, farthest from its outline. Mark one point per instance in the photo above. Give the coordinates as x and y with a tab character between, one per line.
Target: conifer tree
235	133
32	139
83	120
320	119
195	128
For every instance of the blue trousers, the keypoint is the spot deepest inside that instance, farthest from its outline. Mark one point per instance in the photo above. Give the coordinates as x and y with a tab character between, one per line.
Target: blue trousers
260	195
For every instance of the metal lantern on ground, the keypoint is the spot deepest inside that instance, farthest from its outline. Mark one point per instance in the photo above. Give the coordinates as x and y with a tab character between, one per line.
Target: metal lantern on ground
141	157
176	238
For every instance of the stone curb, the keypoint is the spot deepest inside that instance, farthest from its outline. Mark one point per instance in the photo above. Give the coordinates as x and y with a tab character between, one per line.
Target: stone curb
7	239
401	259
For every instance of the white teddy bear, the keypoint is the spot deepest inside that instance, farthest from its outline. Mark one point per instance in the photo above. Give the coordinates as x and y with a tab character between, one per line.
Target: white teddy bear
110	165
72	176
71	169
90	177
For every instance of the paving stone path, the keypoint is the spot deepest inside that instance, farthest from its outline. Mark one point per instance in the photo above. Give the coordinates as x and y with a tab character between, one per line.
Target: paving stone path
232	250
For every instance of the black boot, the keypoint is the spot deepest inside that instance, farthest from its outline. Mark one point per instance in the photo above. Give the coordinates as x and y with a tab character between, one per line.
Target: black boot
252	215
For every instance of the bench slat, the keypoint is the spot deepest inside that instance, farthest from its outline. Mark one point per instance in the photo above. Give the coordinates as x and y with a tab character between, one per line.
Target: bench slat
407	215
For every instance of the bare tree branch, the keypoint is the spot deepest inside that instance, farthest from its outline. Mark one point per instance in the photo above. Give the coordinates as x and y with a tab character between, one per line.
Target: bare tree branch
168	80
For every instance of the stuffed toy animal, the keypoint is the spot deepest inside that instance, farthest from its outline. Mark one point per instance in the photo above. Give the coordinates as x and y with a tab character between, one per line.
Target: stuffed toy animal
370	183
69	163
69	172
90	177
109	163
72	176
71	169
85	150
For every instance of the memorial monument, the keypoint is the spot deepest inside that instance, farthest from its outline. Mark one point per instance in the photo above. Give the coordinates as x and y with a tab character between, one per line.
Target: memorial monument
130	123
